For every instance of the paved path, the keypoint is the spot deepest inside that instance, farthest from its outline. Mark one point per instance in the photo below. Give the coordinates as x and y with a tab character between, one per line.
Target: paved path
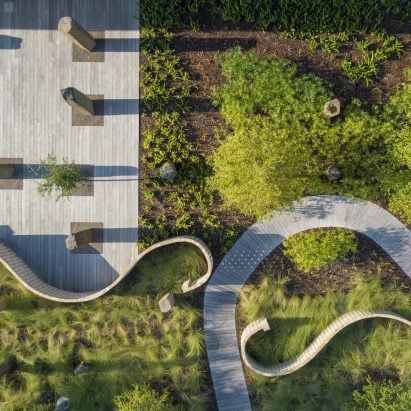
254	245
294	364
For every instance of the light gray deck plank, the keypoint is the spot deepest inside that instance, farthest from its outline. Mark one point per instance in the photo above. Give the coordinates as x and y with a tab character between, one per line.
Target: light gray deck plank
35	121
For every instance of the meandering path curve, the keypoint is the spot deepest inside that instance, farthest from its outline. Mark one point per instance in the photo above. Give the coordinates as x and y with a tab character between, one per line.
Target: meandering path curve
313	349
253	246
30	280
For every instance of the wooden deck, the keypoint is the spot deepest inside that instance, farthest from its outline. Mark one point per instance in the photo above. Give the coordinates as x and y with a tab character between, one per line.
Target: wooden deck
35	63
253	246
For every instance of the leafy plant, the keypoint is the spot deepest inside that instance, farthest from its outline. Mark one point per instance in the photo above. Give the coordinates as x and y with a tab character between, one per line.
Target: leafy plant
382	396
366	70
142	397
312	250
64	177
274	117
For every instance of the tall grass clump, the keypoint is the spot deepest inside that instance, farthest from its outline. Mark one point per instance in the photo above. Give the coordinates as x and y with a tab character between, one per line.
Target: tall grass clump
378	348
123	338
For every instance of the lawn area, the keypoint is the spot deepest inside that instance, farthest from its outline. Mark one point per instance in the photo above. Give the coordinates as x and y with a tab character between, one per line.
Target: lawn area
123	338
375	349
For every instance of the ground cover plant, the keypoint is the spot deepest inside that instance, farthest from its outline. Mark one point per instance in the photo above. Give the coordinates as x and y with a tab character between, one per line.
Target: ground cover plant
123	338
314	249
186	205
364	355
275	116
179	71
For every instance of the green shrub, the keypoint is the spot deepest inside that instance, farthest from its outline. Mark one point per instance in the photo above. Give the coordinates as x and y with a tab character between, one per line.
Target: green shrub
283	15
278	144
382	396
64	177
142	397
312	250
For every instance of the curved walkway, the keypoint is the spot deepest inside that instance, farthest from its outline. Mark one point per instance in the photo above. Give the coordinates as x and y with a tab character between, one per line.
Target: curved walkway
253	246
314	348
26	276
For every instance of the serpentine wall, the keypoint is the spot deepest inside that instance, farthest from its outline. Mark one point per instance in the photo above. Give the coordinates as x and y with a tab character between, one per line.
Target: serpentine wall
26	276
313	349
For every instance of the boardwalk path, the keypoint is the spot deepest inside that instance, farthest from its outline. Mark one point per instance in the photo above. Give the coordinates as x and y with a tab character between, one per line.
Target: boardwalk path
254	245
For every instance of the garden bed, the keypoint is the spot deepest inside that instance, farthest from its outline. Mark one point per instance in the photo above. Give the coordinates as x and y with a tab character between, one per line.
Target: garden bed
200	52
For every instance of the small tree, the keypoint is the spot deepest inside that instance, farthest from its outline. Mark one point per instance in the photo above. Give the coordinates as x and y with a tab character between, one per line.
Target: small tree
382	396
142	397
64	177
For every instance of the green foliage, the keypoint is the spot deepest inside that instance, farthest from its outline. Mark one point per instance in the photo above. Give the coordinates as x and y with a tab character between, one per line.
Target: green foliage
166	269
166	140
376	347
314	249
168	14
123	337
382	396
282	15
142	397
187	205
161	82
279	144
396	181
64	177
366	71
387	46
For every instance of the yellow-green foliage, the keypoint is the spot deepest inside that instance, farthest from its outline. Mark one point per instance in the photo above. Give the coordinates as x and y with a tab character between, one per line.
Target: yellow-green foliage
279	144
142	397
396	181
123	337
373	347
314	249
382	396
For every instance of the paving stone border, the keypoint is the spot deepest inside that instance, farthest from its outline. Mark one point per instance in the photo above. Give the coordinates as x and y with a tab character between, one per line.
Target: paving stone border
16	182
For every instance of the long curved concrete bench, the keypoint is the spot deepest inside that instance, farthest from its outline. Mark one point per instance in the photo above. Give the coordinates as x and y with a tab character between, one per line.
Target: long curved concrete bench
313	349
26	276
258	242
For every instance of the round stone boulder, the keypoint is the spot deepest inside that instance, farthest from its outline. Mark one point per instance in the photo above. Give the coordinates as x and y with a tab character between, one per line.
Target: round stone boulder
168	171
63	404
